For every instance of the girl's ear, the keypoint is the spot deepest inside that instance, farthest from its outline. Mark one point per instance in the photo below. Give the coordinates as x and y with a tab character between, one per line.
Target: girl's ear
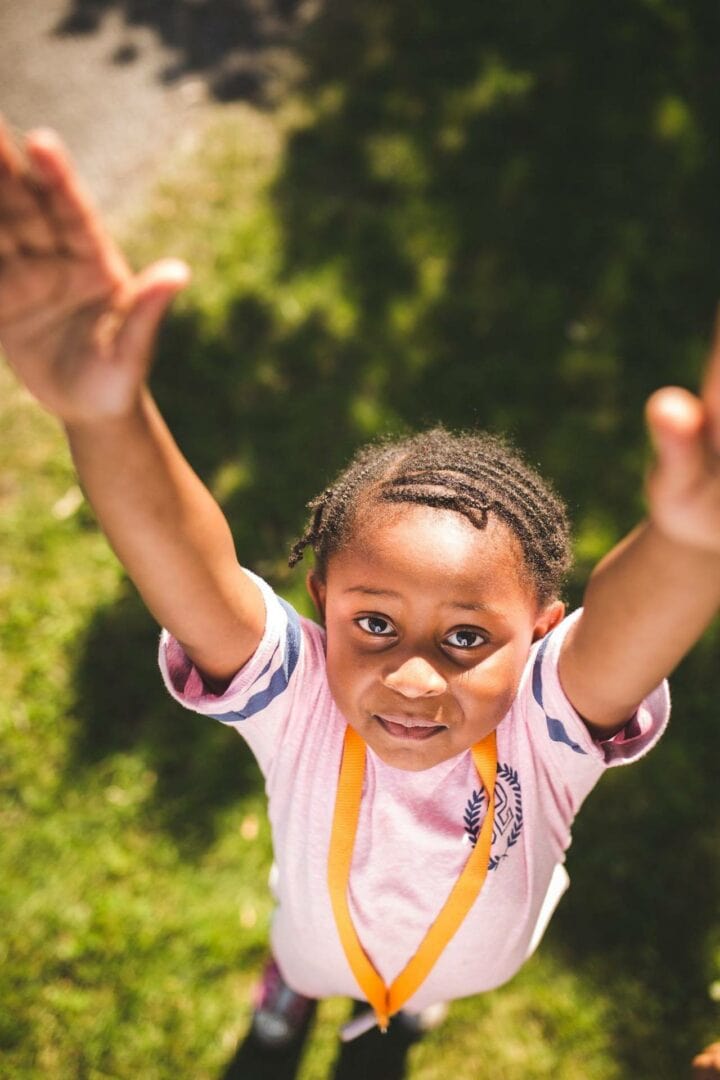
317	590
548	619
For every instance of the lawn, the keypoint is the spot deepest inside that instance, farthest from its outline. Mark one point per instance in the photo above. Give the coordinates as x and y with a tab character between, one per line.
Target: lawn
445	218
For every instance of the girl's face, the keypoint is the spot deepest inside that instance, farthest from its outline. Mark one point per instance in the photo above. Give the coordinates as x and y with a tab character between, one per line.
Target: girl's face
429	624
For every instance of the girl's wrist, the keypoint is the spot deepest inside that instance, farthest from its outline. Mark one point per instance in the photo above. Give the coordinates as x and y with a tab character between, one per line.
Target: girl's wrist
684	542
108	423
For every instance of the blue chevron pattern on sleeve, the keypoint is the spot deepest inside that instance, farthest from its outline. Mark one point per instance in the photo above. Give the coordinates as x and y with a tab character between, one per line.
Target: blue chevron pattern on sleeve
283	661
556	728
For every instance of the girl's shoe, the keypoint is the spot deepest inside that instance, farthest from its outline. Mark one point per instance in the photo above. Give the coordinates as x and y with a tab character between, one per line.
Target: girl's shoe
280	1015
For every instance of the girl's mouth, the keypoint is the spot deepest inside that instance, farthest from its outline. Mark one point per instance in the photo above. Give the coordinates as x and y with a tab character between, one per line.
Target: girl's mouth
407	727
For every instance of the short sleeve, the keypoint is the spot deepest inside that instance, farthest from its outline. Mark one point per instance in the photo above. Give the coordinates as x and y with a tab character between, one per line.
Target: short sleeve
259	698
566	726
573	759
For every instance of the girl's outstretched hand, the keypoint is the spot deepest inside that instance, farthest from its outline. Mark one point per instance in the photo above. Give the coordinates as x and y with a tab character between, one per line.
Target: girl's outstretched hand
76	325
684	485
707	1064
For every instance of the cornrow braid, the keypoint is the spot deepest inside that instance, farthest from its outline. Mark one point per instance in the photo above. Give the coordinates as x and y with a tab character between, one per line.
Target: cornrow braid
475	474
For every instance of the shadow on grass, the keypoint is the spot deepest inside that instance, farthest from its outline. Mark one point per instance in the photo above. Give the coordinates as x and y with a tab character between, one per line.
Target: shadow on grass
518	204
642	916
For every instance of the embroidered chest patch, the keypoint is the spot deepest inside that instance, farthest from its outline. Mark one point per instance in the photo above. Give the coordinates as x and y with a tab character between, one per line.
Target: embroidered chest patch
508	814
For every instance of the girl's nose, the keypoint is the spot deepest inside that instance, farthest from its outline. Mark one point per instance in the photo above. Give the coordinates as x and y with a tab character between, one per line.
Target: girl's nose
416	679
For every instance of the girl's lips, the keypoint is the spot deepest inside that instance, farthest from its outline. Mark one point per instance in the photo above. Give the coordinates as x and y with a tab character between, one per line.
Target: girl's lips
407	728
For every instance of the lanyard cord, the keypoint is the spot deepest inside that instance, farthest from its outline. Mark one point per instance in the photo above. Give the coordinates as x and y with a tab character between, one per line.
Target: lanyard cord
386	1000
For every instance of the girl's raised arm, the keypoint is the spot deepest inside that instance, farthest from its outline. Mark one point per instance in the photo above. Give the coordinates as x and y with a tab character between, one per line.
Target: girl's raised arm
78	328
650	599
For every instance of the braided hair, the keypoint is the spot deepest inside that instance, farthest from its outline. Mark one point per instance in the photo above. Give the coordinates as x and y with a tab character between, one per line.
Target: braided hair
476	475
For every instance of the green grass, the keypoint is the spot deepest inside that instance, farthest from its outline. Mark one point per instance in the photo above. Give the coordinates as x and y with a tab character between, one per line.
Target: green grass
358	267
129	942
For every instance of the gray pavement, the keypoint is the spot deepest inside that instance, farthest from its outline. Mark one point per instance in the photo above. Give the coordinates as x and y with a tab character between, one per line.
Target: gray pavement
123	82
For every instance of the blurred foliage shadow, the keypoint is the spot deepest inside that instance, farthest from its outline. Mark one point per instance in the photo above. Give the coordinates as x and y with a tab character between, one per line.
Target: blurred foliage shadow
229	43
518	205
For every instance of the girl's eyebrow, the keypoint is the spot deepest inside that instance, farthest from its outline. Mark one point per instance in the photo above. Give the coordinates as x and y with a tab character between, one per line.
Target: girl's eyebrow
457	605
367	590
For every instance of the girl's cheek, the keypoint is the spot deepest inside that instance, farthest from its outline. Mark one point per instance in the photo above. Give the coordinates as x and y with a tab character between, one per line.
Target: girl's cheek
495	680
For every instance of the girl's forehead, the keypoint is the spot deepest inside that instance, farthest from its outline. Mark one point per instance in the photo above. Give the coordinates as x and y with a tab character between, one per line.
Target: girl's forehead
416	525
428	544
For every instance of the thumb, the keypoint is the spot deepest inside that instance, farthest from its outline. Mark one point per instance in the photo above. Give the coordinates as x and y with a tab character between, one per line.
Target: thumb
152	292
676	420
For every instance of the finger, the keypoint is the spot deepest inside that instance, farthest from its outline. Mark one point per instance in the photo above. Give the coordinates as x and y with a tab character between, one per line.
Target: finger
711	388
10	157
154	289
705	1067
77	225
709	1056
676	421
23	223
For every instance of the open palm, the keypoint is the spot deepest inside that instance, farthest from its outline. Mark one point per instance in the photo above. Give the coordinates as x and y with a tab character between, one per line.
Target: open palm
76	325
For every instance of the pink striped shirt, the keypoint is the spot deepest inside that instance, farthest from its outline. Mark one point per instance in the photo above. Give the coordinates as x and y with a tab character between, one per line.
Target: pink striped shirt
416	828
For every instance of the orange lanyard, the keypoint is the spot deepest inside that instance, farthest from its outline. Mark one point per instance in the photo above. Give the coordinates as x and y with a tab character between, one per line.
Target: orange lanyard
386	1000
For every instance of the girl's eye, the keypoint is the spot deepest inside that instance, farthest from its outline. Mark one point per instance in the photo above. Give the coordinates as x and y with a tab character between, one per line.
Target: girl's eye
374	624
465	639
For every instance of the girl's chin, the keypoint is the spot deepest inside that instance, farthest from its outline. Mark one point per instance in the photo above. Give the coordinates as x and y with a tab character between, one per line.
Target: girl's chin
408	754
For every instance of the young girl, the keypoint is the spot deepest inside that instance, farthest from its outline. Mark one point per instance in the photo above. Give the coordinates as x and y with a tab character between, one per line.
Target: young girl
425	749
